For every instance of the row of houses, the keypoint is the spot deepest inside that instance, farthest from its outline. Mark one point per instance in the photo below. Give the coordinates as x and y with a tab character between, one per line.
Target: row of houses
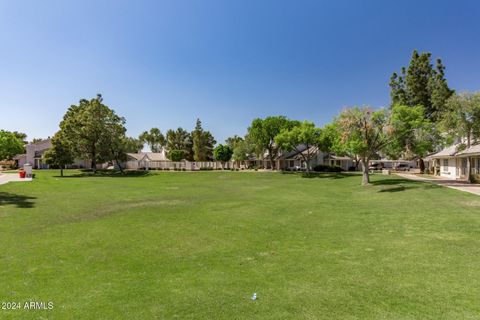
293	160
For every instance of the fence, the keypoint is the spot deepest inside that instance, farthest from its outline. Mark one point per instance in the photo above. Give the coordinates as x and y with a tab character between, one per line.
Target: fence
177	165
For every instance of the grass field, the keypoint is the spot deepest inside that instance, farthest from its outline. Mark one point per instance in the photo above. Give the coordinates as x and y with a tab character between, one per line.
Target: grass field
198	245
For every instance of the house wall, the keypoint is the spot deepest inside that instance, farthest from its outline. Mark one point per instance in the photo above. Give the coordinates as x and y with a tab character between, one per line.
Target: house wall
448	168
344	164
22	161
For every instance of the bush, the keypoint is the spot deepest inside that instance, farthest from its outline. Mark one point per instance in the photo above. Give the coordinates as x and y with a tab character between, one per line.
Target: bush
327	168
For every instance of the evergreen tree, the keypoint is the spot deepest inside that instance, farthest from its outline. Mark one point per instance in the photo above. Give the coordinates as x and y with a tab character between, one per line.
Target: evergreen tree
203	143
421	84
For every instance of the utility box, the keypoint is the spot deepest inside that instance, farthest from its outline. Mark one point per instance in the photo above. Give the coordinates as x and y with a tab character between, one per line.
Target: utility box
27	167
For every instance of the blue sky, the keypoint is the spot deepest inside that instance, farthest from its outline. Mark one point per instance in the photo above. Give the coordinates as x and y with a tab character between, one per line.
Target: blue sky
165	63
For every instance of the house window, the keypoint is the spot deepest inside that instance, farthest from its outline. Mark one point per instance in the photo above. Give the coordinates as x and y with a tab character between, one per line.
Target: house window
445	162
291	163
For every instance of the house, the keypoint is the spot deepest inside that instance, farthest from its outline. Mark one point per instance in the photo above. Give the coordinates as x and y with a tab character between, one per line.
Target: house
452	162
147	160
35	156
346	163
295	160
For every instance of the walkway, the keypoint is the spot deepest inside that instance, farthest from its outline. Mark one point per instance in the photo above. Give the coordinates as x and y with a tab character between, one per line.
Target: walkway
10	177
454	184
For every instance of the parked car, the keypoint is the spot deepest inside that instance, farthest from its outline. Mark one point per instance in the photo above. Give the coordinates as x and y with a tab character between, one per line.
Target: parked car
403	167
376	166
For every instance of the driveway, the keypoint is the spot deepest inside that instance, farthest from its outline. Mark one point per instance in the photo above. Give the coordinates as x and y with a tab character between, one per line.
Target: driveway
454	184
12	177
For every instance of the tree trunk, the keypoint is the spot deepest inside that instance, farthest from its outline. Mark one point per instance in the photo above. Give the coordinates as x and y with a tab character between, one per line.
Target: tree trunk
119	166
94	159
421	164
272	163
365	173
357	162
94	165
61	171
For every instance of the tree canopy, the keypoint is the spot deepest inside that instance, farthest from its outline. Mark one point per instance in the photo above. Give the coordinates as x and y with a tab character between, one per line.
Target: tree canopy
10	145
223	153
60	154
179	141
154	139
203	143
262	133
304	134
94	131
421	84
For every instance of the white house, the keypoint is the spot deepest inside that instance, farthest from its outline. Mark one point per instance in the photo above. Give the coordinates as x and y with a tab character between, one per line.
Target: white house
34	156
452	164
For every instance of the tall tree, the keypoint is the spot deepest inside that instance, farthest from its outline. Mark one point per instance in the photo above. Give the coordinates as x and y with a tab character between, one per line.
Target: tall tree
330	141
461	120
305	134
60	154
262	133
368	132
233	141
92	129
21	136
132	145
415	136
364	130
10	145
203	143
421	84
179	140
154	139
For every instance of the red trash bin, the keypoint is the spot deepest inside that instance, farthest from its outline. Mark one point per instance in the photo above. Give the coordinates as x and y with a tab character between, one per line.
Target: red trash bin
22	174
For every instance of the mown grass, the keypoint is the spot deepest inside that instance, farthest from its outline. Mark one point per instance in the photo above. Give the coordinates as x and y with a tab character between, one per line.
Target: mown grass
198	245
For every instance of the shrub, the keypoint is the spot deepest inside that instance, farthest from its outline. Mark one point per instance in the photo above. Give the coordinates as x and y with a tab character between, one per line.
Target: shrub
327	168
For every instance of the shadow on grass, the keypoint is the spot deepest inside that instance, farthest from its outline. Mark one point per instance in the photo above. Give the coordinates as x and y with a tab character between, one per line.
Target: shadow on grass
398	185
107	173
20	201
327	175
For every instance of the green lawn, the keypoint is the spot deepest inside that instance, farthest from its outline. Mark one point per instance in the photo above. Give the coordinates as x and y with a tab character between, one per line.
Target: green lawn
198	245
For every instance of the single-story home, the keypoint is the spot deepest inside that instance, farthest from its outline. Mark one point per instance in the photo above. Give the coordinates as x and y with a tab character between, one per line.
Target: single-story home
452	164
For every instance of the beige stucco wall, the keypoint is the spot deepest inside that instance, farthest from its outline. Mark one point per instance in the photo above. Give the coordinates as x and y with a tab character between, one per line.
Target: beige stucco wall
448	171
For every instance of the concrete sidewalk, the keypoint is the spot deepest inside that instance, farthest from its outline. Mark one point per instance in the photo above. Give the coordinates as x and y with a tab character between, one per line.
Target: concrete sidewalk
454	184
12	177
